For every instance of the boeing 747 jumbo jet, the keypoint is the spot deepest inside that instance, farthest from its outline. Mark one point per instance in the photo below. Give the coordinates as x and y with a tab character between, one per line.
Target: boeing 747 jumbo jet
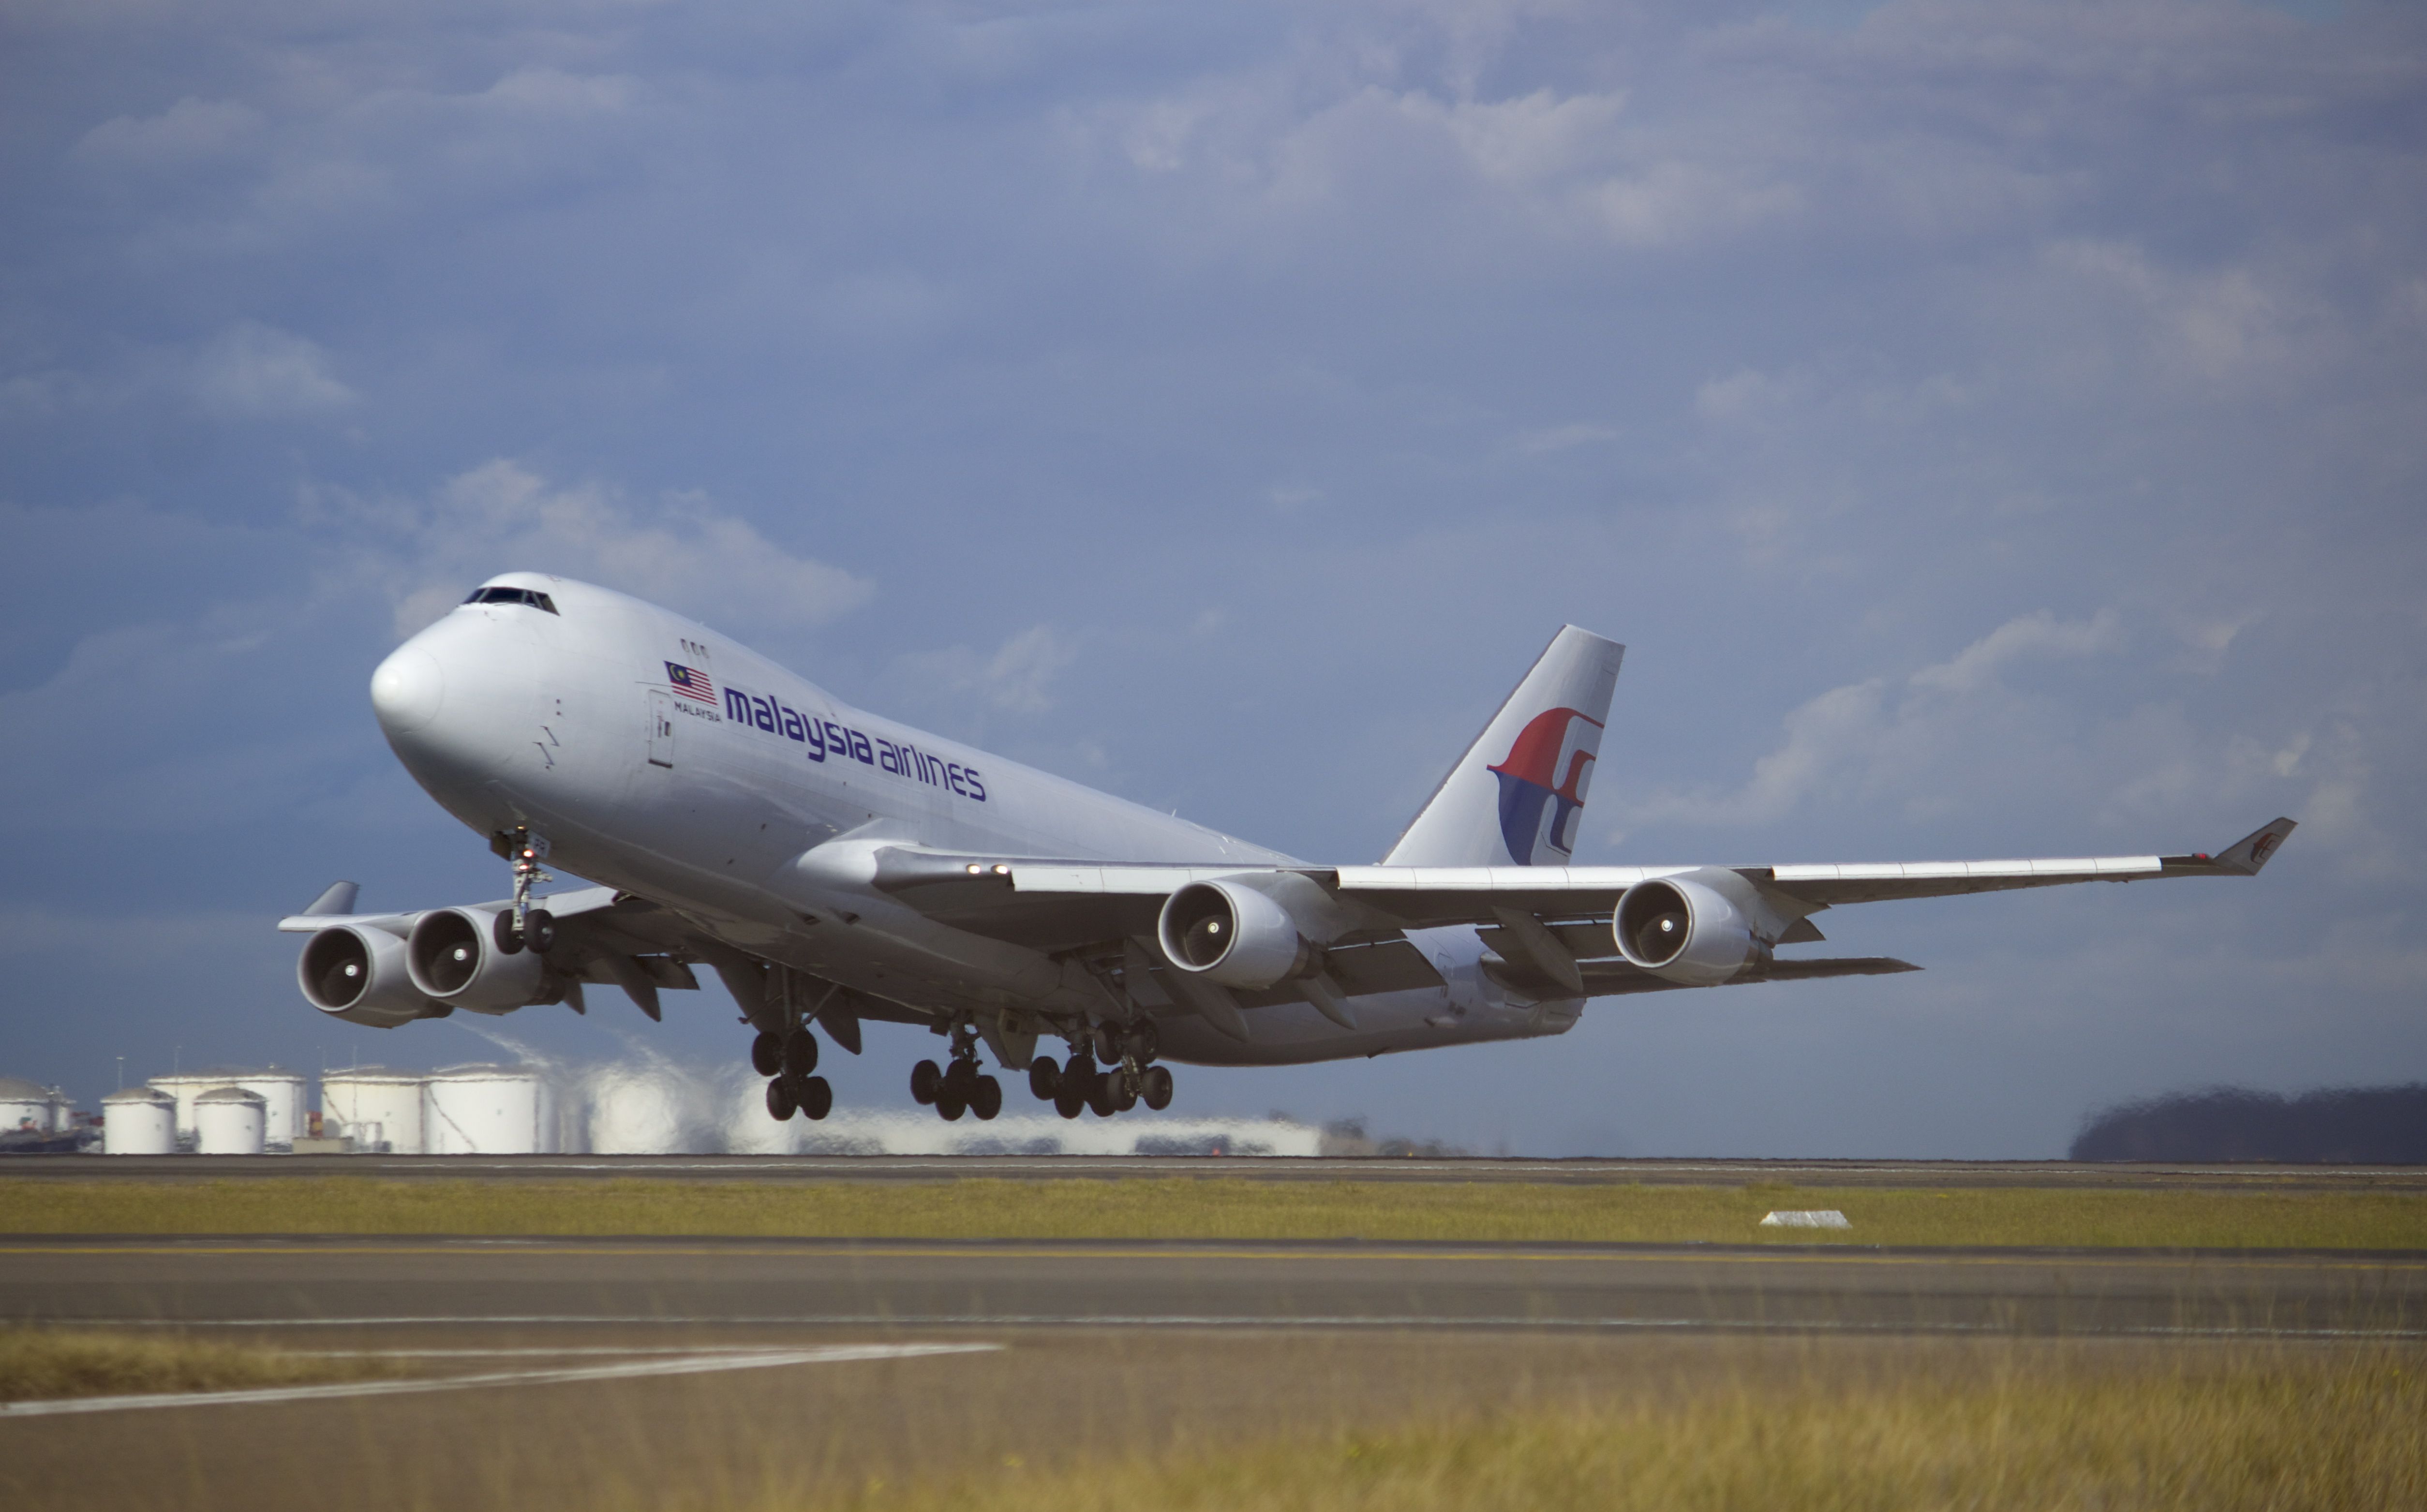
833	867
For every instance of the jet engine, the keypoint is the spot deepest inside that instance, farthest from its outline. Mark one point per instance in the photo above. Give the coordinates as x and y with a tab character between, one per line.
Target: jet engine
453	957
359	975
1231	935
1687	931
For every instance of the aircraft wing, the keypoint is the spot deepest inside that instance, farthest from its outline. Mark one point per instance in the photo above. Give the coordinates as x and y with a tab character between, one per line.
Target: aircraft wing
1056	905
602	935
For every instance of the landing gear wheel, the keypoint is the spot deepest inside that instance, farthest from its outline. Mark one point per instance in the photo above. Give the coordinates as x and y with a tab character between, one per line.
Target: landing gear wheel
951	1107
1156	1093
1070	1099
817	1096
539	930
1118	1092
1143	1041
927	1079
800	1054
779	1101
767	1055
1044	1077
1099	1096
961	1081
985	1098
1108	1043
501	931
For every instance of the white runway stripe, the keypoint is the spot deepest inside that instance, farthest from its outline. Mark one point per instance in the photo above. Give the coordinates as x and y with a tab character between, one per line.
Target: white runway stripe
690	1364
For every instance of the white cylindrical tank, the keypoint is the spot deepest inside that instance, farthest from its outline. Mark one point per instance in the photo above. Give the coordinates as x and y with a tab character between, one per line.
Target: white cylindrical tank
24	1102
139	1121
487	1110
282	1096
378	1109
228	1121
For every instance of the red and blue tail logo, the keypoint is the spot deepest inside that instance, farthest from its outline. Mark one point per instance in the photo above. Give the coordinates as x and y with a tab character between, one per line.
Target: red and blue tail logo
1542	785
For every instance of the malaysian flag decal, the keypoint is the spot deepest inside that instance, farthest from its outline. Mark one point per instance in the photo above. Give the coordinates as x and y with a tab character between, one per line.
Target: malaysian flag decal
690	683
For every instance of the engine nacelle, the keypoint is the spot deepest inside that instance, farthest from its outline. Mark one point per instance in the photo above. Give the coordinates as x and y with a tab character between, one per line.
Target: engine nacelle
359	975
1235	935
1685	931
453	957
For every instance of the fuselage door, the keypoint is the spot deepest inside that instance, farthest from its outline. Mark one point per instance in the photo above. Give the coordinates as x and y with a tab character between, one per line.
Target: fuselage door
661	728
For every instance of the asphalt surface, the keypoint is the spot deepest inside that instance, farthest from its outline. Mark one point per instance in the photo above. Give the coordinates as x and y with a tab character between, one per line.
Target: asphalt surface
899	1287
909	1168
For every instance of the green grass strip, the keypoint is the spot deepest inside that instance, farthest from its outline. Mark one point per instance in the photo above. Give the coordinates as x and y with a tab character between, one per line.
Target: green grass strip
2218	1434
41	1364
1181	1207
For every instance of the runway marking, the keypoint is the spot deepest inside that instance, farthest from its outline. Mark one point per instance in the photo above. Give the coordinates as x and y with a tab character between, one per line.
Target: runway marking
559	1245
691	1363
1230	1320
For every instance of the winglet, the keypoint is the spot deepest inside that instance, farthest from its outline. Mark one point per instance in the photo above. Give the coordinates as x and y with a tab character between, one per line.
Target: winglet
2247	855
2242	858
338	900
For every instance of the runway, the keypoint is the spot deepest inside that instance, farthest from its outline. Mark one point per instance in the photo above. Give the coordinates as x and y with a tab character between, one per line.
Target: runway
2061	1174
916	1287
575	1372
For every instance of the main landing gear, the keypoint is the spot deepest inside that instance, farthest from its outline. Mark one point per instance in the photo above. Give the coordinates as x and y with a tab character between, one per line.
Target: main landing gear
787	1061
961	1087
1129	1078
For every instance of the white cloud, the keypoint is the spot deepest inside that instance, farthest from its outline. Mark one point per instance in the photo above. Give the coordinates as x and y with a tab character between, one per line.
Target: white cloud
1017	677
191	131
258	372
680	550
1936	732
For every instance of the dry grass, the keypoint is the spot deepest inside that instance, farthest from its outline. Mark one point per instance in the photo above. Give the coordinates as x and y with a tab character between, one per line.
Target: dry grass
1219	1209
41	1364
2210	1435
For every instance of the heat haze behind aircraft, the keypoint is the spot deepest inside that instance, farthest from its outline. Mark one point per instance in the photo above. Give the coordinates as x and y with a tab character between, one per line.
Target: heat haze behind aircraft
834	866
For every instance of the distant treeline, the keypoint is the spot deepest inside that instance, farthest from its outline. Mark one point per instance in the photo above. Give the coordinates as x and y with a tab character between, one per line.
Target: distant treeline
2361	1126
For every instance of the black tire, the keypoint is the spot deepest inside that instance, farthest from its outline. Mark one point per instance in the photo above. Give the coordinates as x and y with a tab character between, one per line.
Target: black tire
539	930
1108	1043
950	1106
1118	1092
501	931
926	1078
817	1096
1071	1100
1044	1077
1099	1096
1156	1093
779	1101
961	1079
985	1098
1144	1040
800	1054
767	1055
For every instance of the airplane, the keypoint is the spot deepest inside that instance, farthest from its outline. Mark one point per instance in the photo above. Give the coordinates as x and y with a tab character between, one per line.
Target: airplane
834	868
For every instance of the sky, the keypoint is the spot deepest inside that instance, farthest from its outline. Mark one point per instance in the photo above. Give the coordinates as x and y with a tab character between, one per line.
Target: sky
1993	430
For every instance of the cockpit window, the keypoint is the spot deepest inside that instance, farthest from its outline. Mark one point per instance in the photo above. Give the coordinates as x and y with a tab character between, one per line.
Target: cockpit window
512	595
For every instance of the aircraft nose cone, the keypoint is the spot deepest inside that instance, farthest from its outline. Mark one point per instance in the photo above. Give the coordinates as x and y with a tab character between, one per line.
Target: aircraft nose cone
407	690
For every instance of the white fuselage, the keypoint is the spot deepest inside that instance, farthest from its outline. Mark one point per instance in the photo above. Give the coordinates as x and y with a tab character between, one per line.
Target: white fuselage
739	808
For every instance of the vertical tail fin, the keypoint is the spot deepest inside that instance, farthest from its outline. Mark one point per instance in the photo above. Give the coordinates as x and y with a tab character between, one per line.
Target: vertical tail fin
1517	794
